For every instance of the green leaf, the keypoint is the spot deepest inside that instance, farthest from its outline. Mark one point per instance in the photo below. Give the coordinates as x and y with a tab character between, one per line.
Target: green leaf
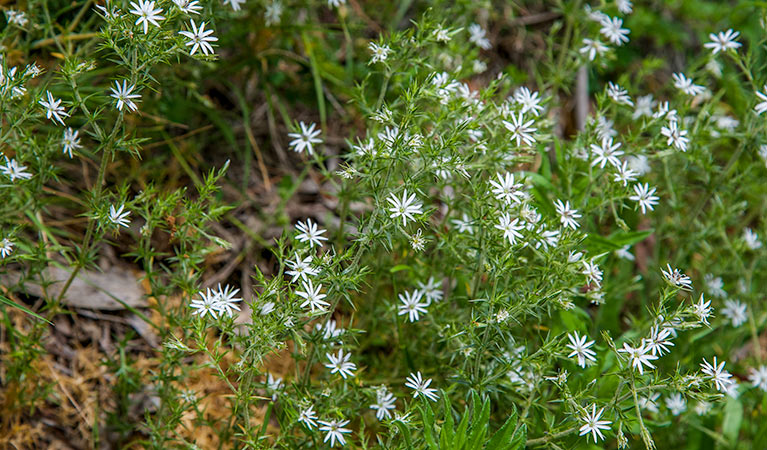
631	237
479	424
460	435
428	426
598	244
760	436
541	182
558	152
503	436
400	267
11	303
405	431
615	241
315	66
518	441
700	334
733	416
545	169
446	434
575	319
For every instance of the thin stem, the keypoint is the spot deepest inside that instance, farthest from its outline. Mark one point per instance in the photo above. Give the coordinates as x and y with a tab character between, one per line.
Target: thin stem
646	437
744	69
63	38
550	437
49	25
526	411
220	371
106	155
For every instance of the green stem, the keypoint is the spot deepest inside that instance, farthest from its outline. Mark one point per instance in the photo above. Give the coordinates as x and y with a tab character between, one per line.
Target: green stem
551	437
646	437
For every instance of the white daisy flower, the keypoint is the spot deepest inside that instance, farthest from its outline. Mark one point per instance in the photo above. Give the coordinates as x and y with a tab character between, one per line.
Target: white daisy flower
758	377
70	141
412	305
659	340
638	356
613	31
580	349
380	52
308	417
312	297
301	268
235	4
530	101
736	311
761	106
606	152
407	207
624	174
714	285
723	41
53	109
510	228
188	6
339	363
384	403
624	6
644	196
751	239
118	217
567	215
147	14
420	386
14	170
477	36
676	136
676	278
686	85
719	376
335	431
122	93
639	164
431	290
206	305
643	107
649	403
618	94
305	139
507	190
593	424
593	48
6	247
592	272
676	403
227	302
311	233
521	131
199	38
464	224
273	13
702	309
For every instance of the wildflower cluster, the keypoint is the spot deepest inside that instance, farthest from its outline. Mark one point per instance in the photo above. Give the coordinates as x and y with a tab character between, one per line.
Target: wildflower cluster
594	281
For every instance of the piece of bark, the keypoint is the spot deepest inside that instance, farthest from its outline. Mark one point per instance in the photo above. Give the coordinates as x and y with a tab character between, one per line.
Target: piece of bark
144	330
89	289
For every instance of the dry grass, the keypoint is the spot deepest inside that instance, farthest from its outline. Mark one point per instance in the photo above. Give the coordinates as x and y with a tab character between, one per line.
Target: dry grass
78	390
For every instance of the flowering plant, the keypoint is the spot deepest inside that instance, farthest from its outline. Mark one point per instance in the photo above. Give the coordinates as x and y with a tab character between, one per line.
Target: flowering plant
492	271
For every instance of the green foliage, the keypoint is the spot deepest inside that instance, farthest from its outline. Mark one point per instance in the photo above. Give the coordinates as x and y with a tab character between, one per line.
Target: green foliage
473	428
